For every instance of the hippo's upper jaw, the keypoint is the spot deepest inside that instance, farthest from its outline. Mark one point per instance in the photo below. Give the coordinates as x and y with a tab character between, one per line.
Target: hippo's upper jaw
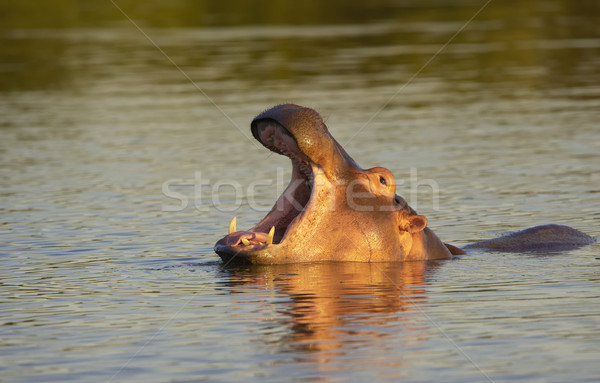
332	210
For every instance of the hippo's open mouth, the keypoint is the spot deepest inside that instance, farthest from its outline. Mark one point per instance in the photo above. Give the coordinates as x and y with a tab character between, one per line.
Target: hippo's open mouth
288	211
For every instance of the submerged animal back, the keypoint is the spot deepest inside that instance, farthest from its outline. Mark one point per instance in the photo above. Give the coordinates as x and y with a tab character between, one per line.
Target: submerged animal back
538	238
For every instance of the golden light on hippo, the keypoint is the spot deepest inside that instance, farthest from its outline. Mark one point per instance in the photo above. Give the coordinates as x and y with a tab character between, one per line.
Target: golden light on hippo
333	210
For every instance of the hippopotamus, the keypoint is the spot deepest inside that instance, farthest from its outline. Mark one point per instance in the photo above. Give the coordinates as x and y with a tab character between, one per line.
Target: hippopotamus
334	210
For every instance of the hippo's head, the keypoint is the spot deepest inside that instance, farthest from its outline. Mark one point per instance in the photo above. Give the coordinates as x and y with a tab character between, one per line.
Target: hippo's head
332	210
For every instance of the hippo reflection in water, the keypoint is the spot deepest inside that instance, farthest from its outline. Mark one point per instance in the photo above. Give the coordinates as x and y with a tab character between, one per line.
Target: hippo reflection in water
333	210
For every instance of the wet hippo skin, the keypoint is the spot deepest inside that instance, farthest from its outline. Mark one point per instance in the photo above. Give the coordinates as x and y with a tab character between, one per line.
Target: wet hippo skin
333	210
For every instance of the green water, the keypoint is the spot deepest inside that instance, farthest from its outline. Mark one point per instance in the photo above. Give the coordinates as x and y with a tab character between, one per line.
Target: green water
106	277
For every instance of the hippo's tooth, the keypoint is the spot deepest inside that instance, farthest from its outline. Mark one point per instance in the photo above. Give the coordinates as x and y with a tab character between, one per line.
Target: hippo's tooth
245	242
271	234
232	225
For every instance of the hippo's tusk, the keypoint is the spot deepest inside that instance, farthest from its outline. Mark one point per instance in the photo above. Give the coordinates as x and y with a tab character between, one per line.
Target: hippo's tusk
245	242
232	225
271	235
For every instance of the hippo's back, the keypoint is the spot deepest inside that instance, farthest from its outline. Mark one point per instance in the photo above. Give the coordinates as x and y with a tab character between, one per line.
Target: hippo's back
538	238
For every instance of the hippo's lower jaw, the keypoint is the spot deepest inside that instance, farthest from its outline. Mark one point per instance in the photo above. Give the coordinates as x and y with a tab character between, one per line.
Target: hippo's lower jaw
261	243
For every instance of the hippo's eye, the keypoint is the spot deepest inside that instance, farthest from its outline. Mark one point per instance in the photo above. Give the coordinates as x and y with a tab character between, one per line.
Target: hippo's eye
382	181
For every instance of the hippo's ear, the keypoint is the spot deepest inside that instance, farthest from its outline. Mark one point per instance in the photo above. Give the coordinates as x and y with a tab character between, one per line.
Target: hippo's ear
416	223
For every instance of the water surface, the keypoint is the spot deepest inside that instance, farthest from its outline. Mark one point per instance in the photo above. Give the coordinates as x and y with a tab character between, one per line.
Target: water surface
107	277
